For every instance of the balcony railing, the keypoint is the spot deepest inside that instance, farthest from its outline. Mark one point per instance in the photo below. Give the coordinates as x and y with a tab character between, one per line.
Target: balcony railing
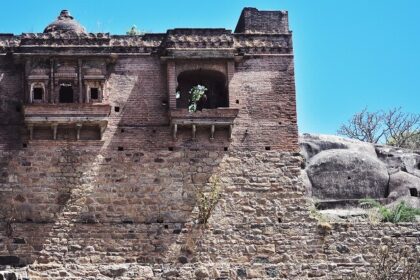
76	114
220	117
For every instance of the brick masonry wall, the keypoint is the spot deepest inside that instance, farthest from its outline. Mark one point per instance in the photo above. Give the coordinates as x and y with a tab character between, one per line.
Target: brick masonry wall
255	21
75	208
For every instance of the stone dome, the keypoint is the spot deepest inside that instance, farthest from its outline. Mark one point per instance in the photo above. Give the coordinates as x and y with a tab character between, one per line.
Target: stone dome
65	23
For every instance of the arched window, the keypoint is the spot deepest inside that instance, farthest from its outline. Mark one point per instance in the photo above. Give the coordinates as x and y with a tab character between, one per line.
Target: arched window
37	92
215	82
66	93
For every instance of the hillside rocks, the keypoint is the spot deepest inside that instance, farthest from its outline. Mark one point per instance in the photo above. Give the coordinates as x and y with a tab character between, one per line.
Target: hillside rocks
347	174
403	184
313	144
341	169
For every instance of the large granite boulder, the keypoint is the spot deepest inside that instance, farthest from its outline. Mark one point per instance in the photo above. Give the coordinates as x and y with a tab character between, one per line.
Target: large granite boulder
338	168
312	144
347	174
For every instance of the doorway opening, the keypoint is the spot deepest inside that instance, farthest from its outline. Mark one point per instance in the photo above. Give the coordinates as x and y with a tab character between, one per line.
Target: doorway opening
66	93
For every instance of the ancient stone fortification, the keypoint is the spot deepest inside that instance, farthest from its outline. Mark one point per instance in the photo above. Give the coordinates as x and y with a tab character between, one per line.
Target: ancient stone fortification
100	162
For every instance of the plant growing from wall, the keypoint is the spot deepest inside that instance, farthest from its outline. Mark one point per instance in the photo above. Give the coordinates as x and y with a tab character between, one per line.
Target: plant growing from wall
206	201
323	222
134	31
391	263
196	94
398	214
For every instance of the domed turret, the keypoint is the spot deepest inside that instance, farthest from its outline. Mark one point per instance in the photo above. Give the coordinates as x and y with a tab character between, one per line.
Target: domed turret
65	23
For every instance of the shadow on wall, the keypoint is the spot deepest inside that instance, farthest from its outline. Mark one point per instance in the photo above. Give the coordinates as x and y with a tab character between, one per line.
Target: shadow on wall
68	201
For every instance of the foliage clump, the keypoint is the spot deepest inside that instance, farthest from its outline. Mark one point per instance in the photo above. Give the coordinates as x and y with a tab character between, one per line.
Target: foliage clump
134	31
401	213
207	201
196	94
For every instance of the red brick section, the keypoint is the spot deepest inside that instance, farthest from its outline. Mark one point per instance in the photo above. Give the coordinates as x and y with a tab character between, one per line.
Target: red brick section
254	21
130	198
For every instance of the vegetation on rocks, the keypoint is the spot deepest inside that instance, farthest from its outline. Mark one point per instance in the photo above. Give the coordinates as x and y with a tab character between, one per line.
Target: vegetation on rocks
398	214
323	222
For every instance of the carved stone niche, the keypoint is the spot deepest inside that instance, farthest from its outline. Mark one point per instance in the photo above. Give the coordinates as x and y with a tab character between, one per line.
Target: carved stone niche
38	91
94	90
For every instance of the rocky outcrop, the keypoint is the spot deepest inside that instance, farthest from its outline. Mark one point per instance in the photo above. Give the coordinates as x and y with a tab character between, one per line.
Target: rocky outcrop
347	174
403	184
337	168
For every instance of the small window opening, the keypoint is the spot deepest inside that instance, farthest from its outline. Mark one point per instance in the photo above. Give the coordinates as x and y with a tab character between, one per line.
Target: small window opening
267	148
122	130
117	109
38	93
414	192
237	101
120	148
94	93
24	145
170	149
225	149
166	226
66	93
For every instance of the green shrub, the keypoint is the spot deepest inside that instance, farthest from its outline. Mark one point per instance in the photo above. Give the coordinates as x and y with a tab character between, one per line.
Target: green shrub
398	214
196	93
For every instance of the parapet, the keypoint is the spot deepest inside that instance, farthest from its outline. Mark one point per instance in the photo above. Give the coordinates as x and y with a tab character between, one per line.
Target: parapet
254	21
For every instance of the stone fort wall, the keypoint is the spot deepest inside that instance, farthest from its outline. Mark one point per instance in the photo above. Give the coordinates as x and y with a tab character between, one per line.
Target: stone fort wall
125	206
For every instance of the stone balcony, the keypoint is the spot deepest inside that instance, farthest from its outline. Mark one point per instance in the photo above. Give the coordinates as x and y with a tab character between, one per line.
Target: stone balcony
212	118
73	114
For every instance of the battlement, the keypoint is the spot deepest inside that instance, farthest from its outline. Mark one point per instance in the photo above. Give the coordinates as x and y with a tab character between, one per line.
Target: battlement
254	21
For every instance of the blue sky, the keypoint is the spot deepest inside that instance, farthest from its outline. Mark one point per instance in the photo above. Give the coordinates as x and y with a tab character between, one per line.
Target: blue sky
349	54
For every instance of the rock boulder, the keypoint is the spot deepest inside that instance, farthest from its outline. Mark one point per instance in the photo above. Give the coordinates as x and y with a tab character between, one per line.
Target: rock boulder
347	174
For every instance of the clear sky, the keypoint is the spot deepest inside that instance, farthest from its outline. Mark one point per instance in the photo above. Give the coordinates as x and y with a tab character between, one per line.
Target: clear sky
349	54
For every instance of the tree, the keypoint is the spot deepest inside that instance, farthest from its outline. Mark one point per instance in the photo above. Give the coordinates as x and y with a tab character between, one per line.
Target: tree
133	31
391	127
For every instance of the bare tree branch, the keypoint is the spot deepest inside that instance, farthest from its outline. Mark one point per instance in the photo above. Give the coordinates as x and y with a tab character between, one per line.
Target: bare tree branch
393	127
364	126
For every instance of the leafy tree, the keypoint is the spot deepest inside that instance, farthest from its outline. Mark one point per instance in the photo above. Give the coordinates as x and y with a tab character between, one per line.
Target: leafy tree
392	127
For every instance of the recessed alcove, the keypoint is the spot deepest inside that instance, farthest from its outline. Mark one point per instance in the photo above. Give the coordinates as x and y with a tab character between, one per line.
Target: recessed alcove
216	95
